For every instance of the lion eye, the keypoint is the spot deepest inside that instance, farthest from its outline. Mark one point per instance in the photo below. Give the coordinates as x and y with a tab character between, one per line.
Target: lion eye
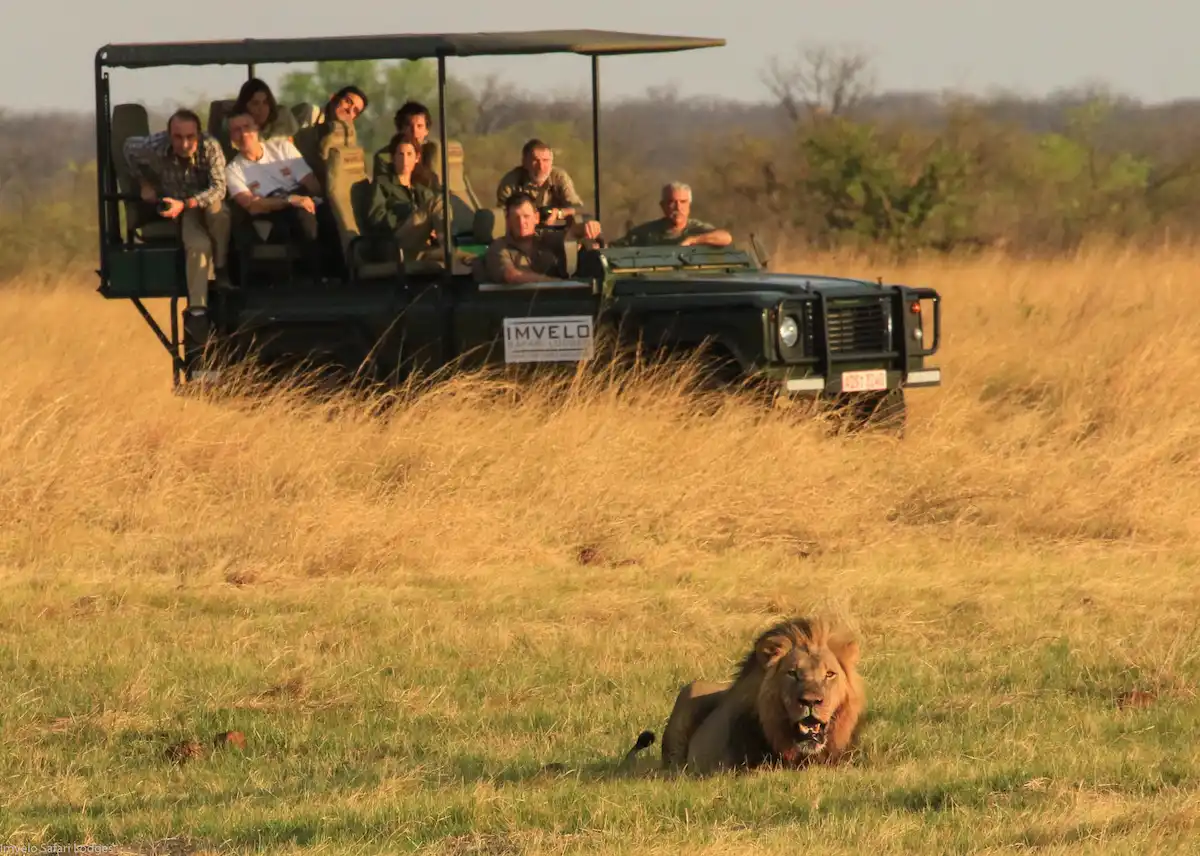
830	675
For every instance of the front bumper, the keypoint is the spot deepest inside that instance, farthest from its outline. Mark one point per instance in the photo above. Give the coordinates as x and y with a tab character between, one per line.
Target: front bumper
837	385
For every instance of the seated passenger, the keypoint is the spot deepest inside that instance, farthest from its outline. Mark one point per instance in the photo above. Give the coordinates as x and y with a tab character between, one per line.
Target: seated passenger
414	120
675	227
271	183
401	207
548	186
181	172
523	255
344	106
256	98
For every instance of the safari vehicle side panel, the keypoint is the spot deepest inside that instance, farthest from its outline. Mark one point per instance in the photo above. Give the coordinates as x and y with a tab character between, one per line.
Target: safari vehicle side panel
506	324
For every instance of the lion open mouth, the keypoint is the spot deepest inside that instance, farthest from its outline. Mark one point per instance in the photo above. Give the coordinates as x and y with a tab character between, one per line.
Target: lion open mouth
811	731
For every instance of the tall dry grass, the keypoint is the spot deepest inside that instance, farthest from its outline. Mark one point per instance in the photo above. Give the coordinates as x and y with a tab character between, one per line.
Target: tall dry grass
1070	412
410	612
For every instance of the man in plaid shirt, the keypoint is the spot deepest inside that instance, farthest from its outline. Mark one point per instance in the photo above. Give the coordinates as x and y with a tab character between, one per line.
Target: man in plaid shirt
182	173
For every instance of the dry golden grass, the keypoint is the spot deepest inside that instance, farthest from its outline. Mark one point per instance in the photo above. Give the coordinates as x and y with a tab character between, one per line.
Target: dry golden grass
394	611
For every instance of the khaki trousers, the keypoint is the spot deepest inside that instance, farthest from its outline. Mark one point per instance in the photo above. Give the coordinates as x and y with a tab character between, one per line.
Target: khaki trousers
205	247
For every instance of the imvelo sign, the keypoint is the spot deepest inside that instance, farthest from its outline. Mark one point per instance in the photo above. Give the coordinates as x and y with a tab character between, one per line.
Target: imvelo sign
554	339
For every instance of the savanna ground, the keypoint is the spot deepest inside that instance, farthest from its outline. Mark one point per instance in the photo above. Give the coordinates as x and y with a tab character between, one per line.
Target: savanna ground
410	616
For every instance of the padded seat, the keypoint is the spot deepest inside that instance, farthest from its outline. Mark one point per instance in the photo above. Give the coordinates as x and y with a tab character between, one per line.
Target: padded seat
131	120
218	127
348	191
487	225
305	114
315	142
463	201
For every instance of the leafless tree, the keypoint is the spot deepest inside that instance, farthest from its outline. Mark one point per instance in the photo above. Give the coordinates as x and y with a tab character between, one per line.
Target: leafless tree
821	80
499	102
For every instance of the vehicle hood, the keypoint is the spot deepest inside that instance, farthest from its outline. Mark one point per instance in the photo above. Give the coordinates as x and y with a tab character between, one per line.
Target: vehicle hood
742	283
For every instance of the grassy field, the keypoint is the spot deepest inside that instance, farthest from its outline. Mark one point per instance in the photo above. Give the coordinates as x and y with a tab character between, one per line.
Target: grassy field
410	617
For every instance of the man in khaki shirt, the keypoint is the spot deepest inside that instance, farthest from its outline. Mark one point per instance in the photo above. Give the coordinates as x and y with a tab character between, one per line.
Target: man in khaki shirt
676	226
524	256
548	186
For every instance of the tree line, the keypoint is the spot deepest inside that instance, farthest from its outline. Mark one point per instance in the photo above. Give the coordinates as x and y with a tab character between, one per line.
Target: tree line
826	159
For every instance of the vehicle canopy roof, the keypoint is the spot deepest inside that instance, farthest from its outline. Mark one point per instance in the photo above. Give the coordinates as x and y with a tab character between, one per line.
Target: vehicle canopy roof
410	46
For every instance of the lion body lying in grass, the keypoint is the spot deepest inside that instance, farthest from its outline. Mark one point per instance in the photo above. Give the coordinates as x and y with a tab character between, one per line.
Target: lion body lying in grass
797	699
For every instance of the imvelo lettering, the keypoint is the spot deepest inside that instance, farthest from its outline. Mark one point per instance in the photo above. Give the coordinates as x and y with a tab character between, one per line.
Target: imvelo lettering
550	331
548	339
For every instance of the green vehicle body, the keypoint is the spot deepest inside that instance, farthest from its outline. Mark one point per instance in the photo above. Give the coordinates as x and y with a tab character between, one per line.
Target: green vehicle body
795	333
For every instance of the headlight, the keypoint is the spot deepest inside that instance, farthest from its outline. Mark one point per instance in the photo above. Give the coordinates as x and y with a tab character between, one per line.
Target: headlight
789	331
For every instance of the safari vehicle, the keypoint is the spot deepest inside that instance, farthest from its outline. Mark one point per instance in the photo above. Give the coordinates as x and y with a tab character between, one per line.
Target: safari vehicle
384	317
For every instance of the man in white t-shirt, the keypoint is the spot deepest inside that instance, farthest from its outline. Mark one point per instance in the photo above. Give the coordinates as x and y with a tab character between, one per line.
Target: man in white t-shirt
271	182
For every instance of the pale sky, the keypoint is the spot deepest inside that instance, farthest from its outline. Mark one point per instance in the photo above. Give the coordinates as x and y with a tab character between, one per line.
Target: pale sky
1147	50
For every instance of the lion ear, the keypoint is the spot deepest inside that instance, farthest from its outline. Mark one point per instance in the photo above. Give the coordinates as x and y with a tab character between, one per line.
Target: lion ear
772	648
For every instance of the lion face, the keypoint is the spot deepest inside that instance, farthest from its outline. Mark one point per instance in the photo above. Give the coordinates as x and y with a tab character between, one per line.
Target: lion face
805	684
811	686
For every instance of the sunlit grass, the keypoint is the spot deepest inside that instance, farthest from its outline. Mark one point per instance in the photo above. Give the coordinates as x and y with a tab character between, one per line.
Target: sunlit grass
399	611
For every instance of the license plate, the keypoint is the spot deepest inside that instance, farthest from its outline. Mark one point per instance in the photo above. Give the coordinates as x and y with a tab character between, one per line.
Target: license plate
864	381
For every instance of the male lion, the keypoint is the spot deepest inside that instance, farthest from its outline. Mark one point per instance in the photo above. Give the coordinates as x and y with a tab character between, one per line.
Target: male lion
796	700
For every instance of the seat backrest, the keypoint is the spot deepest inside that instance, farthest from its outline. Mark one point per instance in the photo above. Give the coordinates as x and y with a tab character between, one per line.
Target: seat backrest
316	141
128	120
381	162
284	126
463	202
570	256
360	198
305	114
218	128
307	141
346	168
487	225
456	166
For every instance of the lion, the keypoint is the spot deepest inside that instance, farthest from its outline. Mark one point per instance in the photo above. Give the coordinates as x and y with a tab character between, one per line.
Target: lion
796	699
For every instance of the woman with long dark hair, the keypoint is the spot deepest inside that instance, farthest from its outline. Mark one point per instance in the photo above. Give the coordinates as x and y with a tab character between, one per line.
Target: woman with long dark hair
256	98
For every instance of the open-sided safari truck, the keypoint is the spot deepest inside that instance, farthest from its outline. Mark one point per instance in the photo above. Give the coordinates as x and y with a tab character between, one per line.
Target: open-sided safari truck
383	318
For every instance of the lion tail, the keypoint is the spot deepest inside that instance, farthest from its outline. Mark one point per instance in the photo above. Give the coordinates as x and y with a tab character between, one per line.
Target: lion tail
644	741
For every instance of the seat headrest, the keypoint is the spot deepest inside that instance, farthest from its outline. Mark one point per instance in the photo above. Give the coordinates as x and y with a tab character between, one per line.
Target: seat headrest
335	132
217	111
129	120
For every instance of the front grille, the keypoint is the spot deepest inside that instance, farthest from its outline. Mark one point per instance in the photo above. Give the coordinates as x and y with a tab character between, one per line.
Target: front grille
858	327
